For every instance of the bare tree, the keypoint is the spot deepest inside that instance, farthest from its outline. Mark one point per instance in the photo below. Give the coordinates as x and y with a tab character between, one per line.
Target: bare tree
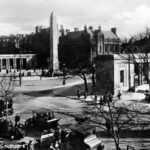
81	72
108	113
7	85
136	52
114	118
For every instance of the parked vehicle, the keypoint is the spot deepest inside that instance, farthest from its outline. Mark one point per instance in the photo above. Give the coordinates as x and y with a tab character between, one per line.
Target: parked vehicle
81	134
42	121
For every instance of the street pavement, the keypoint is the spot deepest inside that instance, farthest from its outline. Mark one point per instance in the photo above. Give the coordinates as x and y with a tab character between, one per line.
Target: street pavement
50	94
137	143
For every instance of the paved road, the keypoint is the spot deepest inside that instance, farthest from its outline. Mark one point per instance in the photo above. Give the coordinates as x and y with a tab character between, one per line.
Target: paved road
137	143
38	95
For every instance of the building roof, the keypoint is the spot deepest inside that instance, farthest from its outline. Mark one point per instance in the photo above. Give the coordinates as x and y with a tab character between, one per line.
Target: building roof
77	35
109	35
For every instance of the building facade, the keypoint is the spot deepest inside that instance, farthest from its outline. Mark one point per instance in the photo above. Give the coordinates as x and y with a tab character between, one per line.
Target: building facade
13	56
115	73
83	46
11	61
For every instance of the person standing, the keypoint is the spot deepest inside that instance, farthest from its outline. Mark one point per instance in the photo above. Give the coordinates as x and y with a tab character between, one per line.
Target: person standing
17	120
119	95
30	145
78	94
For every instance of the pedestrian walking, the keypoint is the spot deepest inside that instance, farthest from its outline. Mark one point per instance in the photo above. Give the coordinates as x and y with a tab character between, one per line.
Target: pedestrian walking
101	101
119	95
78	94
95	98
85	95
30	145
110	97
17	120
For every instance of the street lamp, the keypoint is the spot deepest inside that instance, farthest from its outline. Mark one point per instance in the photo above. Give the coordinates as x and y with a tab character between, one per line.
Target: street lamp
93	75
20	67
48	66
48	63
17	44
6	101
64	74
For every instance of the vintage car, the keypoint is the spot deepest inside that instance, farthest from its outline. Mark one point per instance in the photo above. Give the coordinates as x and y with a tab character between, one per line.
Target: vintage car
42	121
83	135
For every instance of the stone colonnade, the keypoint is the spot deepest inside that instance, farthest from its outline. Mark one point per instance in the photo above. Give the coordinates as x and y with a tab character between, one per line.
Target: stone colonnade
11	61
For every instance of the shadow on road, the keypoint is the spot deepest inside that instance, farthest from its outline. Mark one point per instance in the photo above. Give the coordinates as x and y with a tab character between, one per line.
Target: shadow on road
58	92
128	134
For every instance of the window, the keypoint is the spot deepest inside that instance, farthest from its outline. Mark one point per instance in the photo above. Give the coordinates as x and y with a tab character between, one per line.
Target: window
122	76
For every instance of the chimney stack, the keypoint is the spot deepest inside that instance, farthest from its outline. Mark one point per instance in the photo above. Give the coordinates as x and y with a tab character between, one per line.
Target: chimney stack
114	30
91	28
76	29
67	30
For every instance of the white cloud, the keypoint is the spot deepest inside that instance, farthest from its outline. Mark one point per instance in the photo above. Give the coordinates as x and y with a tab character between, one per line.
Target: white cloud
9	29
132	22
23	15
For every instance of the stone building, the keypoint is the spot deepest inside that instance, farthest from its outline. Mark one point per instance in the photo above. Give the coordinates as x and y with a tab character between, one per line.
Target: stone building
113	73
83	46
11	61
116	73
12	56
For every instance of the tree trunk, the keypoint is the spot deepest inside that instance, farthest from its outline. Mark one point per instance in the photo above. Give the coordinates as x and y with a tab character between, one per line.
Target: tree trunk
116	140
117	146
86	85
93	80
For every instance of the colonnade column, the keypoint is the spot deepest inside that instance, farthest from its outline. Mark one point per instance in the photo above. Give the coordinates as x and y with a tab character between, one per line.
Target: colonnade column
0	63
14	63
21	63
7	64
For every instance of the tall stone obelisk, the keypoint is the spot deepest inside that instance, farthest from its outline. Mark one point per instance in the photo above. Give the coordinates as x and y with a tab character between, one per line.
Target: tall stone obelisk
54	63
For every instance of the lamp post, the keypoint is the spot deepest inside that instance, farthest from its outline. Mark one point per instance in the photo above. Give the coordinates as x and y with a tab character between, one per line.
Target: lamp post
17	44
20	67
48	63
64	74
93	75
6	101
48	66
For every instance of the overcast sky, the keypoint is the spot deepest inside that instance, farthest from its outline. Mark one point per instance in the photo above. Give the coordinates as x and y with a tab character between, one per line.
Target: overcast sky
21	16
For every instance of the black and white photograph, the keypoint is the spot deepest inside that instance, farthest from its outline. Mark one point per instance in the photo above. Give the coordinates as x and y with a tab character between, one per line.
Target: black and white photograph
74	75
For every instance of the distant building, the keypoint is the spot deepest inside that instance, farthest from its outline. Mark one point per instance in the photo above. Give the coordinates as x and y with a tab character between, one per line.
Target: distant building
54	47
12	55
115	73
11	61
83	46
